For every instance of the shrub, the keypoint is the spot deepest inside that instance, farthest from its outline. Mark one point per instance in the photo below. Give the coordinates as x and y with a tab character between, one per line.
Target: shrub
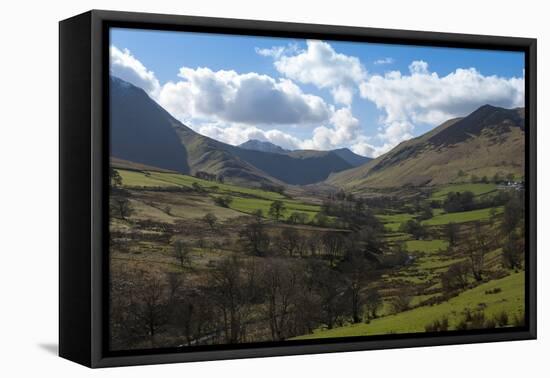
519	320
438	325
401	302
458	201
478	320
490	323
415	228
455	278
502	319
223	201
198	187
462	325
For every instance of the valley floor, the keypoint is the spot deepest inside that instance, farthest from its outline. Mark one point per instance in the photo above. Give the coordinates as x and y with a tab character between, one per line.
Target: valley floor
180	246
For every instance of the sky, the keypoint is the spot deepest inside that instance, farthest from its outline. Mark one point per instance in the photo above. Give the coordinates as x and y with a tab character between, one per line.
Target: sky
311	94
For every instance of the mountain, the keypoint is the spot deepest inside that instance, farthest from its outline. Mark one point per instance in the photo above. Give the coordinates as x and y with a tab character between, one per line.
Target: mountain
143	132
258	145
351	157
488	141
344	153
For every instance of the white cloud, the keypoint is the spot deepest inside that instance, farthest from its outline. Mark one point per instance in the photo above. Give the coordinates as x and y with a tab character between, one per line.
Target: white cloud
274	52
364	148
277	52
425	97
248	98
343	94
236	134
418	67
323	67
125	66
384	61
234	107
343	130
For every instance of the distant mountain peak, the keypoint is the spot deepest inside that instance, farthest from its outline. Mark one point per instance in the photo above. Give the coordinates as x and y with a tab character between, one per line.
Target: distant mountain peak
351	157
264	146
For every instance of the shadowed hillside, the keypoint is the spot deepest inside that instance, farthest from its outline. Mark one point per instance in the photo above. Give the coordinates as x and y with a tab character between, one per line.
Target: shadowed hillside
143	132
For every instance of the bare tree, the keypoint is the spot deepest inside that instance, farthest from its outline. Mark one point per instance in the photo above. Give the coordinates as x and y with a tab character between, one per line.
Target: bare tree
254	237
313	244
401	301
211	220
234	289
334	245
329	287
452	230
193	315
182	252
121	207
276	209
280	280
356	276
513	251
151	306
290	241
455	278
373	302
115	180
477	247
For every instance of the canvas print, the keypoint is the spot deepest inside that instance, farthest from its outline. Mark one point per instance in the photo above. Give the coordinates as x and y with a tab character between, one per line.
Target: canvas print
269	189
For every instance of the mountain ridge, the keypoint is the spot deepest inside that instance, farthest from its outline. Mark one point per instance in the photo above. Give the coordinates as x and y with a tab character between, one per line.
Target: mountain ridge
344	153
136	119
488	141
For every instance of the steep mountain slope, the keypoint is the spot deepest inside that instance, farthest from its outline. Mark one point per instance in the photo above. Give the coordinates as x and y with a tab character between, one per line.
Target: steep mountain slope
488	141
142	132
258	145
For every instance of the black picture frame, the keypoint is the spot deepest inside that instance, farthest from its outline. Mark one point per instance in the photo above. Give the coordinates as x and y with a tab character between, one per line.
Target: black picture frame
83	166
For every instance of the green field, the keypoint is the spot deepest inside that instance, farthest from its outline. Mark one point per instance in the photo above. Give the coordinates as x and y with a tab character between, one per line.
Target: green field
245	200
250	205
392	222
156	179
428	246
134	178
460	217
477	189
510	299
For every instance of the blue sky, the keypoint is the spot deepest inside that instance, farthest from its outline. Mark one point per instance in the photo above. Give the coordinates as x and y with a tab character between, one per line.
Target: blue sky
316	94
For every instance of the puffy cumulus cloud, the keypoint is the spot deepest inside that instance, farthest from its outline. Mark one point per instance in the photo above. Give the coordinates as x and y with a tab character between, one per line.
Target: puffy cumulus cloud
344	130
125	66
418	67
364	148
323	67
425	97
248	98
